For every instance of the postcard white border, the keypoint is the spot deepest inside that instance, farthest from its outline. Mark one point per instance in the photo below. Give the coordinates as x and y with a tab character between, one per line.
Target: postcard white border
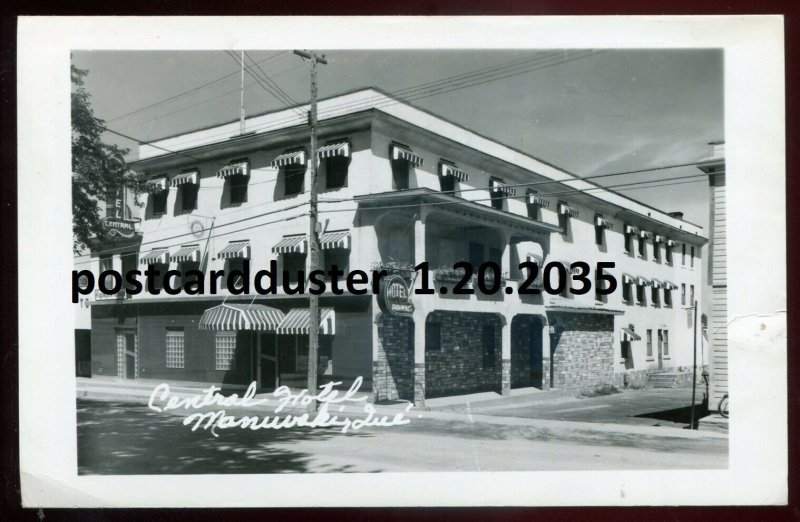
755	149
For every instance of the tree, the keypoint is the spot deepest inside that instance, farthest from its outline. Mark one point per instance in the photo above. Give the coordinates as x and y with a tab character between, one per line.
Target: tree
99	171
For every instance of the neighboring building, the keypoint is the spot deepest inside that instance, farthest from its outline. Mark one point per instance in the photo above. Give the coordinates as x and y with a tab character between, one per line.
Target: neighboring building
398	186
714	166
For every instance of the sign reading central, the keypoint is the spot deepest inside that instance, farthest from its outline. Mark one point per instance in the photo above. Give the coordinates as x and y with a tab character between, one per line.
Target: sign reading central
395	296
121	227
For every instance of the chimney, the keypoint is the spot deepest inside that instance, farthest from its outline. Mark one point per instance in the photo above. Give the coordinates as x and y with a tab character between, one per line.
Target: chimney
676	215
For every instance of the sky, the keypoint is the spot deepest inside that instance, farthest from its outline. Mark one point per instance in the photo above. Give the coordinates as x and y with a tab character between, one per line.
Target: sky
588	113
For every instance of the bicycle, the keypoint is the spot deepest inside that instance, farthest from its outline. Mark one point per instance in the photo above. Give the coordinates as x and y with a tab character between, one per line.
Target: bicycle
722	408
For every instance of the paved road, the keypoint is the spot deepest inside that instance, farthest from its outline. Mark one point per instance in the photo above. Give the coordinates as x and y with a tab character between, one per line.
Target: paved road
125	438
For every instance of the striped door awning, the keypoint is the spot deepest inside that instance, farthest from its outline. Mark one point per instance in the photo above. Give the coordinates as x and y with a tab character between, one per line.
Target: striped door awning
297	157
332	150
157	256
190	176
239	168
298	322
335	239
235	250
232	317
629	335
290	244
156	185
451	170
187	253
499	186
565	209
404	154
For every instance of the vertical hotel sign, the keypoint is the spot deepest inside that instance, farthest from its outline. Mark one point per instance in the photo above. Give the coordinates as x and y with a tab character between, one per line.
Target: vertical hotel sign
395	297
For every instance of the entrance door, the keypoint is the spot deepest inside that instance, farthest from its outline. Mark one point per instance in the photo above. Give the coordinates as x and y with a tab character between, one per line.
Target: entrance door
126	354
660	350
267	364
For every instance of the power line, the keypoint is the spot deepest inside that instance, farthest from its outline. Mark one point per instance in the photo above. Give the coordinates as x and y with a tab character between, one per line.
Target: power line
288	102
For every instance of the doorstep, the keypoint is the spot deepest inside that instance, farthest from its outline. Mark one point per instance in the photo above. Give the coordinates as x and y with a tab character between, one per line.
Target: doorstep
481	400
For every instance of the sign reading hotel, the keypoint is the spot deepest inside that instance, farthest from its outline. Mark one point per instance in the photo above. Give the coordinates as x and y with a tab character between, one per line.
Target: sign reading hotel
120	227
395	297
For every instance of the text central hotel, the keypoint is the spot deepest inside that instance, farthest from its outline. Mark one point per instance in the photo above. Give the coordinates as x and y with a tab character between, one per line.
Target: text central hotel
397	186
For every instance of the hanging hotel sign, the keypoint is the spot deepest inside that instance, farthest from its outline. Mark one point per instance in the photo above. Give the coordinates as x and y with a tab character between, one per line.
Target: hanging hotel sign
395	296
120	227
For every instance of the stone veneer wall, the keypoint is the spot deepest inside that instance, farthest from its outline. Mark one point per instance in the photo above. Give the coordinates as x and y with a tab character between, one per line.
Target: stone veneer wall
393	372
584	351
458	367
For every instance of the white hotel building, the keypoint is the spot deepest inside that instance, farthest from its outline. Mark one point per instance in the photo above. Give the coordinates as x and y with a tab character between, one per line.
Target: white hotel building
398	186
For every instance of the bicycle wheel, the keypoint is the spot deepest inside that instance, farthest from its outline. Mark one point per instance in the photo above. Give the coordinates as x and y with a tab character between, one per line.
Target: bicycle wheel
723	406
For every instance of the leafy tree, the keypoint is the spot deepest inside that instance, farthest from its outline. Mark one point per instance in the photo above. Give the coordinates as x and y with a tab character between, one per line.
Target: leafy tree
99	171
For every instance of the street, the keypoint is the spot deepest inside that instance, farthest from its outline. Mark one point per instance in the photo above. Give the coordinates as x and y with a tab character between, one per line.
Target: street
127	438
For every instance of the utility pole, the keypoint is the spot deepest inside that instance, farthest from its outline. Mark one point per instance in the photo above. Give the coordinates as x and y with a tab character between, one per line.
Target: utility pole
313	240
241	111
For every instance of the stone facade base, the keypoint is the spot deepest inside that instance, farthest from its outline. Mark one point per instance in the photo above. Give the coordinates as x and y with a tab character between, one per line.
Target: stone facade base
582	349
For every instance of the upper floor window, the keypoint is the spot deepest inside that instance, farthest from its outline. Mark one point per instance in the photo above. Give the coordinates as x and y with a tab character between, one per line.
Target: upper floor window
292	168
670	244
237	176
649	343
683	294
450	176
499	191
337	160
402	159
643	237
188	185
564	213
691	295
683	254
535	203
600	226
691	257
157	188
657	241
630	232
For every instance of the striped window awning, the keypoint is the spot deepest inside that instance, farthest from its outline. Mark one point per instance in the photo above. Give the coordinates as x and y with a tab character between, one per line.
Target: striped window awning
659	239
239	168
655	283
669	285
627	279
187	253
644	234
602	222
536	199
335	239
574	270
332	150
298	322
565	209
290	244
671	242
156	185
642	281
627	334
499	186
235	250
297	157
232	317
157	256
630	229
445	169
403	154
535	258
190	176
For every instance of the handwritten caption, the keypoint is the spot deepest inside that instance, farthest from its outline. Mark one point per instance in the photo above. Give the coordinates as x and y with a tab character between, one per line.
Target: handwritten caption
162	400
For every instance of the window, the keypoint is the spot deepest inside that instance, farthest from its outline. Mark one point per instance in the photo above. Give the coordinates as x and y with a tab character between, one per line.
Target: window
628	240
237	184
433	336
668	253
225	351
649	343
107	263
236	263
668	297
336	171
599	284
683	254
184	268
497	195
642	246
488	341
448	184
626	292
189	196
293	179
294	262
400	173
158	201
655	296
640	297
174	350
691	295
598	233
656	250
665	334
158	270
691	258
336	256
683	294
534	207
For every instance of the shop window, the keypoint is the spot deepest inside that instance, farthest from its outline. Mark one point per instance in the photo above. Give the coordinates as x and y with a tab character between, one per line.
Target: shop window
189	196
225	351
433	336
237	185
293	179
488	342
649	343
336	171
175	347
